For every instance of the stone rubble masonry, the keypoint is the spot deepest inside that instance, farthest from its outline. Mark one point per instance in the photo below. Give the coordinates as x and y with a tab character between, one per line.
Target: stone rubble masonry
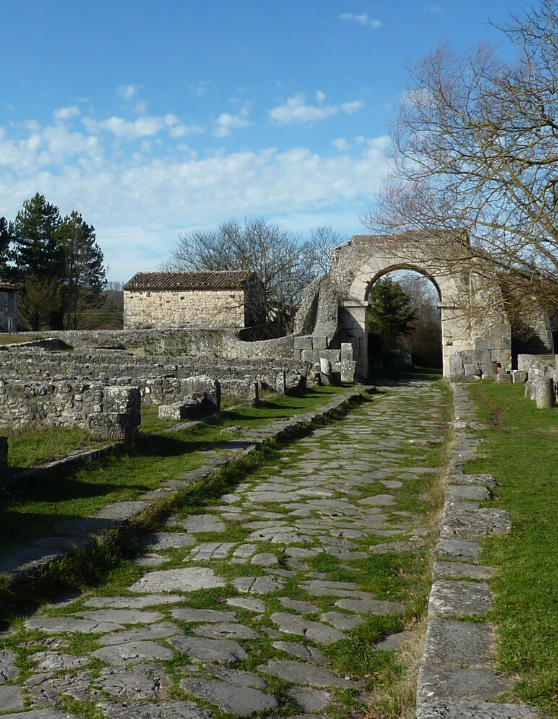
456	676
106	411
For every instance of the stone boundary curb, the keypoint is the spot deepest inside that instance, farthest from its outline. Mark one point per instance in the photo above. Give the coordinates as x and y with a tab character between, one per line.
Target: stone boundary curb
78	533
456	676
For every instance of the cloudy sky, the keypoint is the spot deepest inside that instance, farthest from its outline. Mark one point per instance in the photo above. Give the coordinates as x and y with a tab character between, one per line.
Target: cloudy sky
152	118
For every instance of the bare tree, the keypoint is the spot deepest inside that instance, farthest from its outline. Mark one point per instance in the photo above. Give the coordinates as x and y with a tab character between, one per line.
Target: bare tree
322	241
475	156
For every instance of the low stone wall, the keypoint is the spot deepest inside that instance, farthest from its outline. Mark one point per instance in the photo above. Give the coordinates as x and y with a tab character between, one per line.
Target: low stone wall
107	412
471	364
168	390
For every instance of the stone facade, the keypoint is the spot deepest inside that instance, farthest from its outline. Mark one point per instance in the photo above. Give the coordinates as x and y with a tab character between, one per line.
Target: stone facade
193	299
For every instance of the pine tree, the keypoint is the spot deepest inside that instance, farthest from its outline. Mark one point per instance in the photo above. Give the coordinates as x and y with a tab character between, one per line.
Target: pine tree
37	249
390	312
4	248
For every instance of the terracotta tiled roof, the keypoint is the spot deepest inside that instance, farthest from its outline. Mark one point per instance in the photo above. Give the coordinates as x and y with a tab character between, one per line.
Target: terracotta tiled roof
232	280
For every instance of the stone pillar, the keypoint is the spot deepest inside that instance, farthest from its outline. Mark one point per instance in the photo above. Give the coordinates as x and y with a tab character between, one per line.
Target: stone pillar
326	374
353	327
544	393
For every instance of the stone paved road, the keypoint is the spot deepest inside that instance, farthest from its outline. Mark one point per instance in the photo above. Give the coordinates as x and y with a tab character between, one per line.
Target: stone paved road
236	608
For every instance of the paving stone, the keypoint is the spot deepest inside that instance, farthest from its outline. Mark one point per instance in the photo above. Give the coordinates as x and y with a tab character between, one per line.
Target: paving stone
168	710
315	631
464	549
309	654
485	480
46	690
279	536
11	698
211	550
41	714
154	631
397	547
245	550
299	605
258	585
340	621
133	653
203	615
209	650
370	606
27	559
309	700
391	483
121	616
60	625
454	493
463	644
149	560
265	559
242	701
438	683
378	500
225	630
203	523
143	681
8	670
461	520
53	661
130	602
394	641
452	599
165	540
236	676
459	570
321	588
300	673
183	580
474	710
251	605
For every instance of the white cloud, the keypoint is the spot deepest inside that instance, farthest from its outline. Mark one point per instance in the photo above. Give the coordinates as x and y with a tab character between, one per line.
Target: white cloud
227	122
142	127
295	109
341	144
127	92
363	19
66	113
140	202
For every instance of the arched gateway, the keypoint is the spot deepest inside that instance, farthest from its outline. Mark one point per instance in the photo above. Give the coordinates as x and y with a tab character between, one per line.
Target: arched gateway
475	330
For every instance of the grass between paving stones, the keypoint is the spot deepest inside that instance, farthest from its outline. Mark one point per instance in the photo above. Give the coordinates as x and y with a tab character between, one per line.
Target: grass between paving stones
522	454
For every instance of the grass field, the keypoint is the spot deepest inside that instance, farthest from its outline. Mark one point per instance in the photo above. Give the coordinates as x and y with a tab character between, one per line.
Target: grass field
521	444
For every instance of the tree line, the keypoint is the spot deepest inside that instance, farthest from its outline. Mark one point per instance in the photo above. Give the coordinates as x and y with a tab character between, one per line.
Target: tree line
56	264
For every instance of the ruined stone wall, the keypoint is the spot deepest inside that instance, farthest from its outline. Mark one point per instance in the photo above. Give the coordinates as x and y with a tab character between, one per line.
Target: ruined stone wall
107	412
166	308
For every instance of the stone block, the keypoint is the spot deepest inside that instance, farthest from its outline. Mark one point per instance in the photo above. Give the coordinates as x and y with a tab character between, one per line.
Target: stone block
518	376
326	374
484	343
472	369
179	410
499	330
309	356
486	368
456	363
320	342
303	343
348	368
346	351
506	343
503	378
545	395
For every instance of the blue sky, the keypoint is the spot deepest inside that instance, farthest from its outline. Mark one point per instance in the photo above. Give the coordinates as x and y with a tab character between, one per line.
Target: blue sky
154	118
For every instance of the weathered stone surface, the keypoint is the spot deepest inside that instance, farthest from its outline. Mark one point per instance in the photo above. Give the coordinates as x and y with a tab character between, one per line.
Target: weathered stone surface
225	630
11	698
456	549
211	550
438	683
236	676
394	641
378	500
60	625
396	547
203	615
370	606
300	673
315	631
485	480
183	580
309	700
166	540
453	599
299	605
168	710
454	493
251	605
309	654
143	681
258	585
245	550
8	670
209	650
459	570
133	653
155	631
40	714
463	644
474	710
149	560
461	520
121	616
279	536
130	602
340	621
242	701
53	661
266	559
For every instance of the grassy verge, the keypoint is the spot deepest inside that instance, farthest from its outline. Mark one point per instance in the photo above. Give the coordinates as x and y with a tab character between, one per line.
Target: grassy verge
522	454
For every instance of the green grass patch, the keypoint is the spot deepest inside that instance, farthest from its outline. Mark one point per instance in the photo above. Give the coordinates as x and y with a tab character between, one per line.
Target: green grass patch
522	454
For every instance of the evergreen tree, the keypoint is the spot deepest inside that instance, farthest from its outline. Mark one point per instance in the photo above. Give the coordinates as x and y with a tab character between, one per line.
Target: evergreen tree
391	313
4	248
37	249
84	273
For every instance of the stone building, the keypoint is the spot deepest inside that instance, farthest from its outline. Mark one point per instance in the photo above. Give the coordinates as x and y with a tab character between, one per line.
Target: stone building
193	299
8	307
